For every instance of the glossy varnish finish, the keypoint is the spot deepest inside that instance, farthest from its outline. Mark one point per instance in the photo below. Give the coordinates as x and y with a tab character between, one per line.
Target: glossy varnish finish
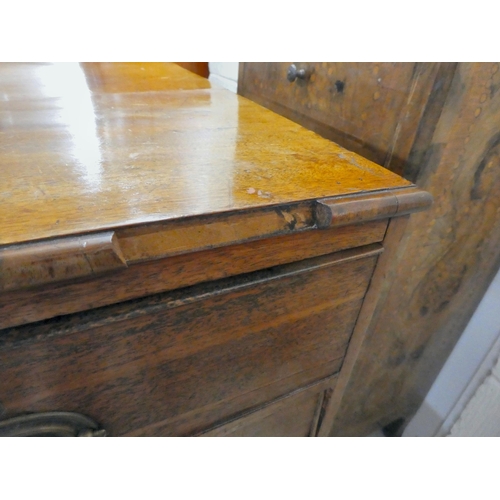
52	81
77	158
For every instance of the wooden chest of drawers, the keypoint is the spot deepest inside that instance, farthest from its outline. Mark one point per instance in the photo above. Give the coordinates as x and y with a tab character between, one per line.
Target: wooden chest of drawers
436	124
176	260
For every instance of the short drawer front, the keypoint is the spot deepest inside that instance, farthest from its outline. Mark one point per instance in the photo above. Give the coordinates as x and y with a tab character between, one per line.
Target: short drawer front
346	102
299	414
176	363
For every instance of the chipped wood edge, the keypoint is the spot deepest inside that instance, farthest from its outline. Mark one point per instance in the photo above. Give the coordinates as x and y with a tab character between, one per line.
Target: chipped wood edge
160	240
55	260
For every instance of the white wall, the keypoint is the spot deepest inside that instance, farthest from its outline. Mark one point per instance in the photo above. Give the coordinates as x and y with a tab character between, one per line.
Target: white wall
224	74
480	416
469	364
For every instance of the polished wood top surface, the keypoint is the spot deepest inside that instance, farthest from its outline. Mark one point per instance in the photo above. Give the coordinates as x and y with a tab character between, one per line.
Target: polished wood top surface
48	80
91	147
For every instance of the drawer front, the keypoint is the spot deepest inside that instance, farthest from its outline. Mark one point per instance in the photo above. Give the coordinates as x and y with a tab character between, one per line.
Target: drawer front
358	105
296	415
178	271
176	363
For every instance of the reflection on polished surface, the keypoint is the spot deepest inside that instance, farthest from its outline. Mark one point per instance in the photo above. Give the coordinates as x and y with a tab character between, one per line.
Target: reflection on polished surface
94	146
66	81
141	77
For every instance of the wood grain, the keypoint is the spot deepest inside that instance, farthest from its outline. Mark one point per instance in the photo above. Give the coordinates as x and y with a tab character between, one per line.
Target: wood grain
139	280
132	365
153	241
159	240
349	114
199	68
294	415
443	139
142	77
348	210
379	287
450	255
62	259
195	185
184	424
64	81
82	157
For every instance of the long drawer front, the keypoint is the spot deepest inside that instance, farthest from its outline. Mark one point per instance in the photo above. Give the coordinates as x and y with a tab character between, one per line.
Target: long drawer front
180	362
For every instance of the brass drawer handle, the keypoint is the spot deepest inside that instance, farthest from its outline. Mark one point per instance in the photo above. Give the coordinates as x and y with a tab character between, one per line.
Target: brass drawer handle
53	424
293	73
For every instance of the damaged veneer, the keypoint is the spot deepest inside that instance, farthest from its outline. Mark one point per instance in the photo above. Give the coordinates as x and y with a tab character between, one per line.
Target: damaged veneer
60	259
